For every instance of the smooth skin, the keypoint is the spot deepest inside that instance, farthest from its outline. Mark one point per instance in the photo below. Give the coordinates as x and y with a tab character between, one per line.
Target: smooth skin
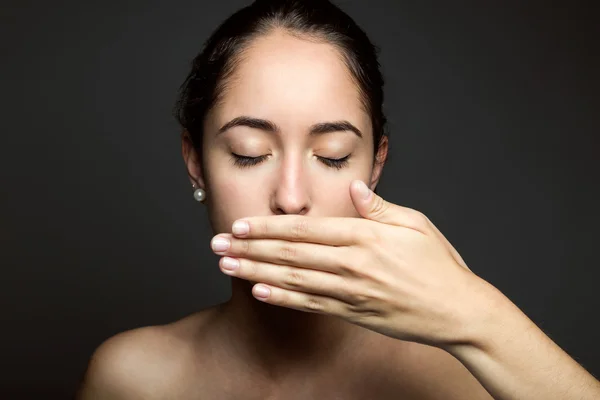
296	345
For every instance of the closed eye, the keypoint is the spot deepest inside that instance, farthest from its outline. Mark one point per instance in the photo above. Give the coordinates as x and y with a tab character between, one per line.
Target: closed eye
244	161
337	163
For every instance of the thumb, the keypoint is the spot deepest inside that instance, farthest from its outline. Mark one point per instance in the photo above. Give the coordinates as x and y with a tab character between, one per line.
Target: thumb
370	205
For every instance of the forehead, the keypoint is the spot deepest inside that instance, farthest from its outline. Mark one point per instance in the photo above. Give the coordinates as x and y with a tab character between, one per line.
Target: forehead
294	82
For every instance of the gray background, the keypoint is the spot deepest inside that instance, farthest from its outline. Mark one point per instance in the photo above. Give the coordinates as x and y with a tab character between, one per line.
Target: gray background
494	132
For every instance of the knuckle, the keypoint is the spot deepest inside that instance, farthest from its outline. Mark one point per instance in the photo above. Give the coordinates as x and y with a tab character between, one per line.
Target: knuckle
364	309
313	304
362	298
358	296
294	278
379	207
365	317
287	254
300	229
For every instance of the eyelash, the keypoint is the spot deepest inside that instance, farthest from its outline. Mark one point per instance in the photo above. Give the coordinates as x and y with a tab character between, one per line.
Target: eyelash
243	161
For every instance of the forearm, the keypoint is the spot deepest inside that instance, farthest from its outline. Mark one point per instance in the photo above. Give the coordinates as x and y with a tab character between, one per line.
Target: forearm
513	359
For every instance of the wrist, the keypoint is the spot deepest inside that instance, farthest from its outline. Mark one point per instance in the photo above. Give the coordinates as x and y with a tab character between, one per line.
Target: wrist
482	317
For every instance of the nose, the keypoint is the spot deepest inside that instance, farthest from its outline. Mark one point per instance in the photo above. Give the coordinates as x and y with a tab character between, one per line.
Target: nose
291	195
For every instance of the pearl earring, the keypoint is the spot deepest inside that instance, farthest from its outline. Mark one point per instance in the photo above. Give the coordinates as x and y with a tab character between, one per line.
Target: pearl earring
199	194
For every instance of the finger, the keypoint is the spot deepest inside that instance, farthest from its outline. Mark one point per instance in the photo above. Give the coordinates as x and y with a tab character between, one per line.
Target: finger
287	277
297	254
334	231
301	301
375	208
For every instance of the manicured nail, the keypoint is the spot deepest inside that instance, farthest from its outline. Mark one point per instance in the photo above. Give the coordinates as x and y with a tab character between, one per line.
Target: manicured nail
240	227
262	292
364	190
220	244
230	264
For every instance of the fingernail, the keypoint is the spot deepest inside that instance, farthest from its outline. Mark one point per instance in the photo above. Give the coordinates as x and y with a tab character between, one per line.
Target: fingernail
364	190
230	264
220	244
262	291
240	227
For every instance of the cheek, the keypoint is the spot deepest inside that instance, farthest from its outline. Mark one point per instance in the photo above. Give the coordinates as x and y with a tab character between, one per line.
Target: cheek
231	199
333	199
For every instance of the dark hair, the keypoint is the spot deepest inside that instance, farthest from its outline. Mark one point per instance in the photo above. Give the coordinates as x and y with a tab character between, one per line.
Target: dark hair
309	19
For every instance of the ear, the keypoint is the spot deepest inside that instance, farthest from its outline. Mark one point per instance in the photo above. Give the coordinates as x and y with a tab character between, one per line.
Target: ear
380	158
192	160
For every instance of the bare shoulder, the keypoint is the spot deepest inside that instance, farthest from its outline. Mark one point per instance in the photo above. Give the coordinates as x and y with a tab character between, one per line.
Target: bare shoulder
153	362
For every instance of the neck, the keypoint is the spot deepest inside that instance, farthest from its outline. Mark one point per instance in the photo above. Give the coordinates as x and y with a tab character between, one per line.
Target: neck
278	338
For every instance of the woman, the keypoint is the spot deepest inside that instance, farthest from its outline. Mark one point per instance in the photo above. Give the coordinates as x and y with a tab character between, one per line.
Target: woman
282	127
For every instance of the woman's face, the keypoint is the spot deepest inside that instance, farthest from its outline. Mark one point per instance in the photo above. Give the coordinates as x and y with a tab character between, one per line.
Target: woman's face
290	110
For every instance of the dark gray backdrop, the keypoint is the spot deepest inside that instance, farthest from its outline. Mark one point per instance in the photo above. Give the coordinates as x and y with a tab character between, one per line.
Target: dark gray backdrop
494	131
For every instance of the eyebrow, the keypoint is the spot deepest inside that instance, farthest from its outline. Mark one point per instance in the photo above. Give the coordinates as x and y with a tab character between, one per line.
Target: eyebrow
269	126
